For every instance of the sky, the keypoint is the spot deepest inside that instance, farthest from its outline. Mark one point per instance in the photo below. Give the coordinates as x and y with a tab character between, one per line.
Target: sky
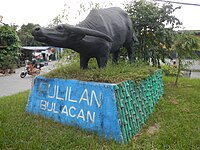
42	12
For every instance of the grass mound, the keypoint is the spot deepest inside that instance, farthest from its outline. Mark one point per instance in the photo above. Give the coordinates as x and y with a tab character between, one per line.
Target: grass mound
112	73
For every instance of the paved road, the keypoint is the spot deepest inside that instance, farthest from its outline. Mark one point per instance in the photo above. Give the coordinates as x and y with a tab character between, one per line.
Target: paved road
12	84
195	75
194	66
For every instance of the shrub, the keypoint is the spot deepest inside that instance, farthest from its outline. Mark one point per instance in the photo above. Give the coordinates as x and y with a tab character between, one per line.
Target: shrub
9	52
169	70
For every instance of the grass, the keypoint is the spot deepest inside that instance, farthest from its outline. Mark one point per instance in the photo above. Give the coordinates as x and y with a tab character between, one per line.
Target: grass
113	73
174	125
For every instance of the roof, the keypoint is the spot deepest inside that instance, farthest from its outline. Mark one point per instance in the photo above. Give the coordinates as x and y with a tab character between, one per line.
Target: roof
35	48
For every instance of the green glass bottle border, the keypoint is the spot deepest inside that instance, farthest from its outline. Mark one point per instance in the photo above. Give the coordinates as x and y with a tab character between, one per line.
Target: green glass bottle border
136	101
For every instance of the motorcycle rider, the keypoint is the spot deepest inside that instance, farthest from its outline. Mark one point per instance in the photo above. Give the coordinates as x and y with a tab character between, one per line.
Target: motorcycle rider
32	67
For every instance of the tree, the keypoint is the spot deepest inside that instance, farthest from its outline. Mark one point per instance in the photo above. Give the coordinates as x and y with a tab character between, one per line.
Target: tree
9	48
184	46
154	29
25	35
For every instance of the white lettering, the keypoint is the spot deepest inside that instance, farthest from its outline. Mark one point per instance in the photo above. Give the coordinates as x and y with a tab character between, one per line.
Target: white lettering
70	111
66	93
81	115
84	97
65	110
51	108
93	96
57	91
43	104
54	108
89	116
54	91
69	96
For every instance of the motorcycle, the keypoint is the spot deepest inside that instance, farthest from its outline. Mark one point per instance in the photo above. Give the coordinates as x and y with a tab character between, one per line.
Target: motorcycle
31	70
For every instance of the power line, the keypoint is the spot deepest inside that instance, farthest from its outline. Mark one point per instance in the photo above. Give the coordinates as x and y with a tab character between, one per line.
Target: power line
178	2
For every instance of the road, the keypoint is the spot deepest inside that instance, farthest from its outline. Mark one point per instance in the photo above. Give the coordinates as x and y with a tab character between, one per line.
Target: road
194	66
12	84
195	75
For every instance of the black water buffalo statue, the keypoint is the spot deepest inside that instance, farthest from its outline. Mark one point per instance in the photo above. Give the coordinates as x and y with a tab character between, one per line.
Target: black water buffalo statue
104	31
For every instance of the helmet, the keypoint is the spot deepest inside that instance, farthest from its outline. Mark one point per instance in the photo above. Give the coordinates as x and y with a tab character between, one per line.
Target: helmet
33	61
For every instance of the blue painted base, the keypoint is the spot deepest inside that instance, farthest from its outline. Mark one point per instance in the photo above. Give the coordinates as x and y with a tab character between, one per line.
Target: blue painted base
88	105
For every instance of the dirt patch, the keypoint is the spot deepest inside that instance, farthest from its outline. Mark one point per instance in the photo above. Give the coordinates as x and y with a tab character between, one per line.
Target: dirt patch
174	101
153	129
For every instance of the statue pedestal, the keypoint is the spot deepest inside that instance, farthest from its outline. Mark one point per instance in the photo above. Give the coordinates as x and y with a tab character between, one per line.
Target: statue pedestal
115	111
